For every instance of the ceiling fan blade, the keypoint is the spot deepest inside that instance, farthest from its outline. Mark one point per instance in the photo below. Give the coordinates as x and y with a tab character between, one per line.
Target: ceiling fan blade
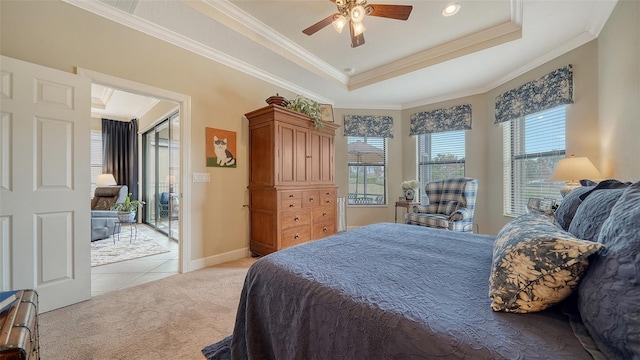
319	25
355	40
398	12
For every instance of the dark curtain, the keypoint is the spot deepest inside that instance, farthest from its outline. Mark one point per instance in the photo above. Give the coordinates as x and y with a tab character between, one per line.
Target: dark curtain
120	152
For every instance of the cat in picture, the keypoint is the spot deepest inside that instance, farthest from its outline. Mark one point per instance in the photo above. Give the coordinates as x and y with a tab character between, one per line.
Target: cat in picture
224	156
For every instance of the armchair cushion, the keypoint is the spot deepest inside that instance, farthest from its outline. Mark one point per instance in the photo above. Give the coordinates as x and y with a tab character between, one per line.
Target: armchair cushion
447	207
451	205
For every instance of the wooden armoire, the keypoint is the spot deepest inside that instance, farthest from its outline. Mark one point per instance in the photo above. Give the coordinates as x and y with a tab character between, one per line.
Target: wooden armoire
292	191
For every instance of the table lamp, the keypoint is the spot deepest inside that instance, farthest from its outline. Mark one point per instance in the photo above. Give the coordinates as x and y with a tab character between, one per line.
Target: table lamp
106	180
573	169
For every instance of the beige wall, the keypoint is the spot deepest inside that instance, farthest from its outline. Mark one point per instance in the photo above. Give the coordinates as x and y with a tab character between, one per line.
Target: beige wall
364	215
61	36
602	124
484	141
619	96
475	148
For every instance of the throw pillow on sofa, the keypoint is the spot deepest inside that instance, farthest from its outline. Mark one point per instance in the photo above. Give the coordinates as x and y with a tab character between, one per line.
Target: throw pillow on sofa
609	295
535	264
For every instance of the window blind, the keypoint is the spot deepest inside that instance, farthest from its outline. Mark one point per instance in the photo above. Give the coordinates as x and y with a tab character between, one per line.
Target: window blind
366	158
440	156
532	145
96	158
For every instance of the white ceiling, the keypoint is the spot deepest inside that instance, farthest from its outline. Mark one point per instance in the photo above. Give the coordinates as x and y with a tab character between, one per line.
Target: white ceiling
402	64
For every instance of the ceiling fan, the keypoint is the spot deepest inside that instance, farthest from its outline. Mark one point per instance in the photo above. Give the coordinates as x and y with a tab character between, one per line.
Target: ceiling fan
352	12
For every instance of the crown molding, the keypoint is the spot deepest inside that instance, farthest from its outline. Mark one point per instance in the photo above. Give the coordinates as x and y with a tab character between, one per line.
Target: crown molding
148	106
599	19
574	43
151	29
481	40
247	25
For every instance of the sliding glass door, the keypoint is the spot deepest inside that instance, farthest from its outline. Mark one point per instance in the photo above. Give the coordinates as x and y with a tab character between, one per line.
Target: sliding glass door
160	185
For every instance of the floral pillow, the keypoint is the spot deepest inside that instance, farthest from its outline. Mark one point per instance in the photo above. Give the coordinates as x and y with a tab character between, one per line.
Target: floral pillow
535	264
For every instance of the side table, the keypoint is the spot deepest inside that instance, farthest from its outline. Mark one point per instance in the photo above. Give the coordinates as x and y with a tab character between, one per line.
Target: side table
404	204
133	230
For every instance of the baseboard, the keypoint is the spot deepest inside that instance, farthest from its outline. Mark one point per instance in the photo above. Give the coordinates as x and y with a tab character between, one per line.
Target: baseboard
219	259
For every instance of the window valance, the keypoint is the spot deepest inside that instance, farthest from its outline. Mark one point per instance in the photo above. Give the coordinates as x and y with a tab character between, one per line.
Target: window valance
441	120
551	90
367	125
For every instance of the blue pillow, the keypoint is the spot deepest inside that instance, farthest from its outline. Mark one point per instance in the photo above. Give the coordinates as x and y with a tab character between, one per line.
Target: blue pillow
609	294
567	208
592	213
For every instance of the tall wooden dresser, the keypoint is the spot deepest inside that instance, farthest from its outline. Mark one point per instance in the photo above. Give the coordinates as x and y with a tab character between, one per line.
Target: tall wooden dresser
292	189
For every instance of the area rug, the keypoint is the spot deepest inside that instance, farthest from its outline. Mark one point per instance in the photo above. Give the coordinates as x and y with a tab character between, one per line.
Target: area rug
106	252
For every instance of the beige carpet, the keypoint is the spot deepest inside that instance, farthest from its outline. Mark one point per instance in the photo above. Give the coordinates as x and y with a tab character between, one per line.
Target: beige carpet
172	318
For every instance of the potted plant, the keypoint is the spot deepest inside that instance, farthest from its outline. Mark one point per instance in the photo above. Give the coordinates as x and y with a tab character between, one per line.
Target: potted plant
308	107
127	209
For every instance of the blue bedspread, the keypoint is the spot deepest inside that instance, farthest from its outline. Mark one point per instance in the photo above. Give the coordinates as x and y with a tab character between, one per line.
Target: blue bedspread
386	291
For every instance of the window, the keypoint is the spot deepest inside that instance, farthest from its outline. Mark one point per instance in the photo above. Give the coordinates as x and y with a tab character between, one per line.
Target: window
440	156
96	158
367	170
533	145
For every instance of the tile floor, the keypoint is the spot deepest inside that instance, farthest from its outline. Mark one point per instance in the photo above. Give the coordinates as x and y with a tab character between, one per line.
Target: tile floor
134	272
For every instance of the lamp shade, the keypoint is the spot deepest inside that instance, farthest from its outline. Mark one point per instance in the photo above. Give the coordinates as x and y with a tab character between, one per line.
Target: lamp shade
106	180
575	168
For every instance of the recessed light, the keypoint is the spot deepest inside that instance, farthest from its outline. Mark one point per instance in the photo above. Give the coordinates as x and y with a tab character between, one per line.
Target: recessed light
451	9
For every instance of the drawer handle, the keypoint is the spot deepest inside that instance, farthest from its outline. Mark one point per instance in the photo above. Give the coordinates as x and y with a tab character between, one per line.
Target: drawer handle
291	205
324	229
324	213
311	199
296	219
327	193
328	201
296	236
290	195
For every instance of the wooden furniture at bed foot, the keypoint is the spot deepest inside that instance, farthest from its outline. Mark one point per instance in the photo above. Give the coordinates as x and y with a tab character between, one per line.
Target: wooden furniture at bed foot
292	194
19	328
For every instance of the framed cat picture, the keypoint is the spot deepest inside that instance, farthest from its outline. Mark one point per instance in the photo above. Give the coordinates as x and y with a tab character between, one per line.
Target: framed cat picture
221	148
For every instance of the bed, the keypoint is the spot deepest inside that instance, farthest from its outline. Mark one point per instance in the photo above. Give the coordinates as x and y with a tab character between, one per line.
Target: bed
387	291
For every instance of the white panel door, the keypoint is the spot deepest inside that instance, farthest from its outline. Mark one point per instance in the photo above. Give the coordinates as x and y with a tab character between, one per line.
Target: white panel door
44	183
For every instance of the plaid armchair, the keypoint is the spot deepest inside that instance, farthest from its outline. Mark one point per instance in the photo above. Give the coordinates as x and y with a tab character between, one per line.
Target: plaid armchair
451	205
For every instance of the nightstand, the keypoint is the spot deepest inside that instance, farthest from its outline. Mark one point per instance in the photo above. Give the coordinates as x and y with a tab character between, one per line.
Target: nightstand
405	204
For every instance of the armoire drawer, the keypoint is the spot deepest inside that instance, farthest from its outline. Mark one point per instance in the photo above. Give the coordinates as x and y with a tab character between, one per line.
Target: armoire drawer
290	219
295	236
321	230
327	197
295	204
310	198
290	195
324	213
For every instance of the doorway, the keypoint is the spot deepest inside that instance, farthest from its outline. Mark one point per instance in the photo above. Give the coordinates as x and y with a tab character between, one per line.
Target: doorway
160	167
184	136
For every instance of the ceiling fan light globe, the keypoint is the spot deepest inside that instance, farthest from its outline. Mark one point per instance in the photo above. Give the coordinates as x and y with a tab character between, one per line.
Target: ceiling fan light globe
357	14
338	23
358	28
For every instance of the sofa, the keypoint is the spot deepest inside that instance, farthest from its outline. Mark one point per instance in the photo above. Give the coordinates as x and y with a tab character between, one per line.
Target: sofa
103	219
450	206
